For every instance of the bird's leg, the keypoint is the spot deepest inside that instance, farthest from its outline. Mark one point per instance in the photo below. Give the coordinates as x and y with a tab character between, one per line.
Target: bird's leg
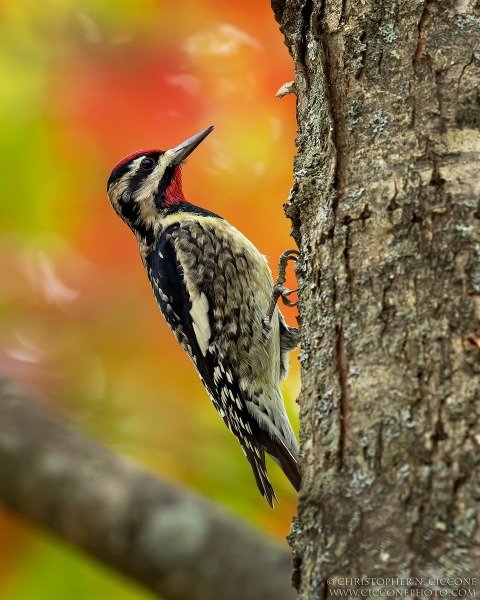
279	290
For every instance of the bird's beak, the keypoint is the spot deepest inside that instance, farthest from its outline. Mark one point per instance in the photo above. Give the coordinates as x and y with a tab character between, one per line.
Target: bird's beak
183	150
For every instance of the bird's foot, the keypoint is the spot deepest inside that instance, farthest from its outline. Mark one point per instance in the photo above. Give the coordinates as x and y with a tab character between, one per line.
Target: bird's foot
279	290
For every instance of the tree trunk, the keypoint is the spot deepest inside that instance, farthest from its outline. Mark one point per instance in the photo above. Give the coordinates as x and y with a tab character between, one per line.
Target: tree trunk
385	210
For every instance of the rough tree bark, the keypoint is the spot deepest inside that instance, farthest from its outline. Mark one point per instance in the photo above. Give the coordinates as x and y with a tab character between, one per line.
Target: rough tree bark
385	210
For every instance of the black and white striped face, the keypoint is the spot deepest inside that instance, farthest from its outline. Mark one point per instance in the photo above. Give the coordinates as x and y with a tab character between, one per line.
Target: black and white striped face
137	188
145	183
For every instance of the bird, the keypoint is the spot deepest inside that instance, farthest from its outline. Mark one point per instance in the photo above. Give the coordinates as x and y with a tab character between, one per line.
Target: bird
216	292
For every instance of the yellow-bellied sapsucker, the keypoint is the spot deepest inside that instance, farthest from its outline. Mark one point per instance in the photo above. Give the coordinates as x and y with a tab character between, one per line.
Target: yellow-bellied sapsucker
214	289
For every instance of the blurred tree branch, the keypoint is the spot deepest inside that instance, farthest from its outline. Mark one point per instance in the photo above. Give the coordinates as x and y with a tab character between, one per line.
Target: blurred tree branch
173	542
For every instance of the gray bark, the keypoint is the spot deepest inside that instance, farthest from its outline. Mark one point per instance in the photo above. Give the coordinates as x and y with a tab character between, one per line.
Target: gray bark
174	543
385	210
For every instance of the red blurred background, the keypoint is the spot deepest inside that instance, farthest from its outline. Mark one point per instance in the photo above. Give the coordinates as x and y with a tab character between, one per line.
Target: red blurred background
85	83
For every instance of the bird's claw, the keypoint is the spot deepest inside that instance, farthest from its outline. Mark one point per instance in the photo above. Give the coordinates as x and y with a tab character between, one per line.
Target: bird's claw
279	290
282	292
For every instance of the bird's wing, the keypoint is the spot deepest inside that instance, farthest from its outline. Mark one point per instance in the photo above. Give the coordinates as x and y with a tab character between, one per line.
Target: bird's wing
189	311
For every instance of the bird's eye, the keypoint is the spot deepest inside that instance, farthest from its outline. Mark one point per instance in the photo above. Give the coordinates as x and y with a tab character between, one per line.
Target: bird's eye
147	165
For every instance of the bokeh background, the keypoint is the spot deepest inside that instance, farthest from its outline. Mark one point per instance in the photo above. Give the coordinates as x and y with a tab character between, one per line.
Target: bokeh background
82	84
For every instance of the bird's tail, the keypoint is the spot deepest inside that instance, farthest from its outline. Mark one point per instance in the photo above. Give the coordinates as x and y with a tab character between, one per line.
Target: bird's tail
275	435
285	457
256	457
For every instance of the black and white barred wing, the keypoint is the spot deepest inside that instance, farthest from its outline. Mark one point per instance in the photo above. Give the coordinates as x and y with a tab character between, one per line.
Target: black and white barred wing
189	308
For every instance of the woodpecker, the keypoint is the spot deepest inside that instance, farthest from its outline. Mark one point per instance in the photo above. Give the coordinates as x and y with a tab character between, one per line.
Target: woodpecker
216	292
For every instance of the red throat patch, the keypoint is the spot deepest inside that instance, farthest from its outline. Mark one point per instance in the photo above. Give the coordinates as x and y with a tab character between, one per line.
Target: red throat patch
174	193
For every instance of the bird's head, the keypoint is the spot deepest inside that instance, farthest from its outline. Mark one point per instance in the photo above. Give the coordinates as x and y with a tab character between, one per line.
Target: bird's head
146	184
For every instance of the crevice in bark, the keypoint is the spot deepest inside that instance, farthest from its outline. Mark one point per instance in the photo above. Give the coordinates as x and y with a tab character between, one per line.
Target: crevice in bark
346	257
377	457
342	370
465	67
421	49
306	12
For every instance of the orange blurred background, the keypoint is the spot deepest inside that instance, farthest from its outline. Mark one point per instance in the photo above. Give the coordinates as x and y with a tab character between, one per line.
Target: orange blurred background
83	84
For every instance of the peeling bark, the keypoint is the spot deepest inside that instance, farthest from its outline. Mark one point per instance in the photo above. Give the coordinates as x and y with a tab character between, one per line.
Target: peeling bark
385	208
